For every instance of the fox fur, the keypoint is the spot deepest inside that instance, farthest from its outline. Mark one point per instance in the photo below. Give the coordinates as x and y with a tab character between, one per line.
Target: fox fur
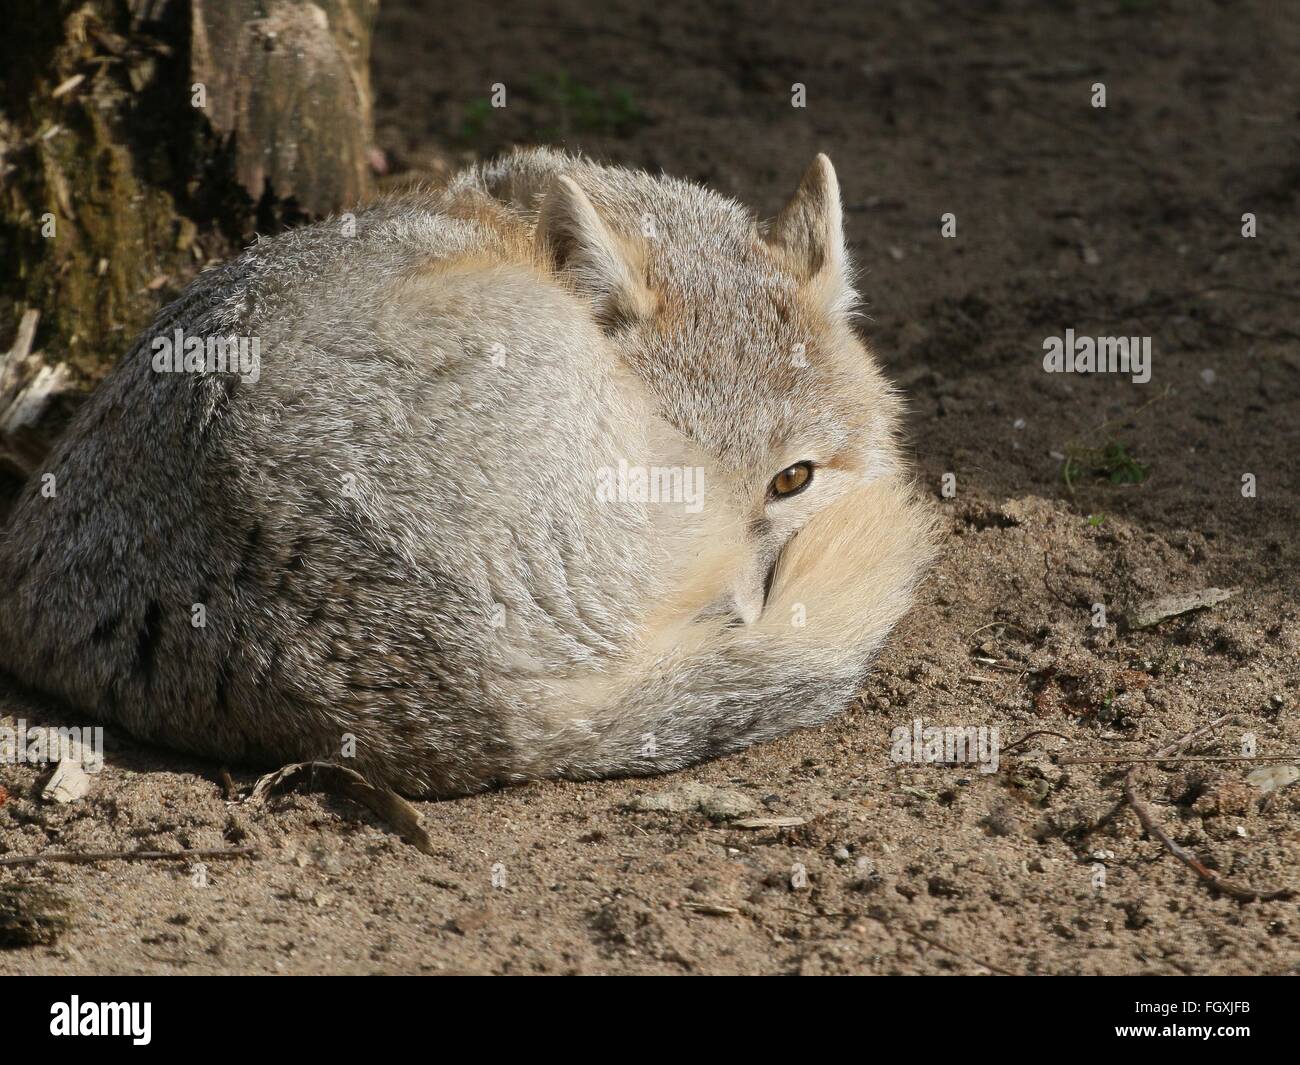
390	546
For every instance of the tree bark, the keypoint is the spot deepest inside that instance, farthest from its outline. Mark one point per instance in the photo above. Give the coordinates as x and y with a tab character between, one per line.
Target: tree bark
140	139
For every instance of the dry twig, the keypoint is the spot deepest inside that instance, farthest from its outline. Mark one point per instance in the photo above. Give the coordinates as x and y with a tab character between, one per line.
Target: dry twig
395	811
1153	829
86	857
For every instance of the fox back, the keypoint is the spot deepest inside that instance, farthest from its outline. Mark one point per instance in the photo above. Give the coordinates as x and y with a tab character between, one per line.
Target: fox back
565	471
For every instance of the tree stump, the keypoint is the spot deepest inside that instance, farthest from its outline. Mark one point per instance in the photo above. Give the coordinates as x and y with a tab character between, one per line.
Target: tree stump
140	139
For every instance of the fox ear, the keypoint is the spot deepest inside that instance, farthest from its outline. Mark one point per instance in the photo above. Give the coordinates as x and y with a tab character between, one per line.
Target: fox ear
810	231
572	235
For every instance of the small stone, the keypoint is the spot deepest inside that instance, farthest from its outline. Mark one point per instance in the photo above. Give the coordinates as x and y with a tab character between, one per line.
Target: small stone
32	914
718	804
470	921
1154	611
1273	777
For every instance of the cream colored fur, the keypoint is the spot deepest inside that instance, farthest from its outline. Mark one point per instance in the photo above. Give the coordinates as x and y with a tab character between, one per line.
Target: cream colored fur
397	535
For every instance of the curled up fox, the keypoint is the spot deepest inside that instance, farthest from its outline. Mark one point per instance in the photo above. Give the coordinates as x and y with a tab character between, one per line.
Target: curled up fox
565	471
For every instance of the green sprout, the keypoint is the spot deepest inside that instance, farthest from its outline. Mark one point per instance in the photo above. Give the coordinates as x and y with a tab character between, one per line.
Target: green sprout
1111	462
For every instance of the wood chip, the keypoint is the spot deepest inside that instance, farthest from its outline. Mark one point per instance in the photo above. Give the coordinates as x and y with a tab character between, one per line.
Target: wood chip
711	909
769	822
65	87
28	385
68	783
26	334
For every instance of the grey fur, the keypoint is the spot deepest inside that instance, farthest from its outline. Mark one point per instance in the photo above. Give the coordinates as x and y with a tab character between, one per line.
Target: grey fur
416	463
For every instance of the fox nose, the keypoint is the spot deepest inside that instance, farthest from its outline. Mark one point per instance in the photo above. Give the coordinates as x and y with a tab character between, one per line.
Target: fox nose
747	607
751	595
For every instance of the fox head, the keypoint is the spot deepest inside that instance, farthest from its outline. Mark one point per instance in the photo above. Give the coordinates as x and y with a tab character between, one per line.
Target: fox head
742	336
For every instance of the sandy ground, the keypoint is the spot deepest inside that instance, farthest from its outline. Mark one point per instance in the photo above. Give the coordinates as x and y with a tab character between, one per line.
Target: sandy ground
1122	221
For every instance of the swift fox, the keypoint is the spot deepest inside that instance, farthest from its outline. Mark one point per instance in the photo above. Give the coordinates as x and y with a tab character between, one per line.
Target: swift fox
565	471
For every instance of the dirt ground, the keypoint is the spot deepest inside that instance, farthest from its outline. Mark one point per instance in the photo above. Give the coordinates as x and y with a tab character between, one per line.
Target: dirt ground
1120	221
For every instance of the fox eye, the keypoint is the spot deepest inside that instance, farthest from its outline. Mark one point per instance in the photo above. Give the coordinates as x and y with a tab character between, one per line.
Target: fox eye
791	481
